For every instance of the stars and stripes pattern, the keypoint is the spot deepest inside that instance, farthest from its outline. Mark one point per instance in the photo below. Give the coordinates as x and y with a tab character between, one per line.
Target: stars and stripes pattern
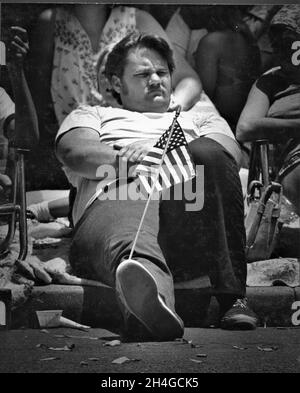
177	165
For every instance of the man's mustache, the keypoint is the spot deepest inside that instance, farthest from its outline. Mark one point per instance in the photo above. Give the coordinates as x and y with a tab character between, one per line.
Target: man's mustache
154	89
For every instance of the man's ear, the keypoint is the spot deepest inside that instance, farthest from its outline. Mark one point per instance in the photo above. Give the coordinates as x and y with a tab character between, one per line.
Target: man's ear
116	84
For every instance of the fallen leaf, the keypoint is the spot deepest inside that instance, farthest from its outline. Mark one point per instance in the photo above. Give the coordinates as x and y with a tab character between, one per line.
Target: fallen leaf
112	343
267	349
201	355
124	359
44	331
83	363
47	359
68	347
121	360
240	348
196	361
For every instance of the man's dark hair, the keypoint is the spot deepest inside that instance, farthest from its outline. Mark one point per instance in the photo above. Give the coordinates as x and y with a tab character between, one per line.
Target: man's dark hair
117	59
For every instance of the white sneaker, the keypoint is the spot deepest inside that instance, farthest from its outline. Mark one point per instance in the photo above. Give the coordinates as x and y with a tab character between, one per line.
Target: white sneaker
137	291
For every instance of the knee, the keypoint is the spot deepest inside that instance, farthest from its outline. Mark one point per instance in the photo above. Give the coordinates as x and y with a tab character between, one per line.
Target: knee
208	152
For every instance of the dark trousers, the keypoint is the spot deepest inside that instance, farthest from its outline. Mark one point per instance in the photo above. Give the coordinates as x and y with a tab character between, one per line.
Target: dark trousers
173	241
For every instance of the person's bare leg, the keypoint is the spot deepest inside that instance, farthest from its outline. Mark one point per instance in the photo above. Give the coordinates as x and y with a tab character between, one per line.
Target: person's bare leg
59	207
48	210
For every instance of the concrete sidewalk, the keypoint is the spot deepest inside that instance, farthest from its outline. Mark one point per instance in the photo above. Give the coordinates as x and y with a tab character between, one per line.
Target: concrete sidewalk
97	307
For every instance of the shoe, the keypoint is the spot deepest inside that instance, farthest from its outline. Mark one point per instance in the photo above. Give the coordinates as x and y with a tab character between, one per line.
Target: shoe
137	291
239	317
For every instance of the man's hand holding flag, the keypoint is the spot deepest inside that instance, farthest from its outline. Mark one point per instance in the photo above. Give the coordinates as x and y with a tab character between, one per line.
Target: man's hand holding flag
168	163
165	165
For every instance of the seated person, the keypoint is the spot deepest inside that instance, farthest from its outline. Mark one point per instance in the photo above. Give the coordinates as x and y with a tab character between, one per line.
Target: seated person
93	29
272	111
227	61
208	241
258	18
18	122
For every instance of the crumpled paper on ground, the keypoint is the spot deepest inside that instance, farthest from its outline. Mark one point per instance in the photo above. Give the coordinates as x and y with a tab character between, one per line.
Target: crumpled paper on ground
48	246
279	271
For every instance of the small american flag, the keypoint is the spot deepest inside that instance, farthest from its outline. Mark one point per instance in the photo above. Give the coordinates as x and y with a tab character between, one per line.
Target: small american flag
177	165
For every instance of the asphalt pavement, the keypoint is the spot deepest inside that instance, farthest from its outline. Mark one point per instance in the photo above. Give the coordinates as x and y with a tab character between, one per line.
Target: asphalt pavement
98	351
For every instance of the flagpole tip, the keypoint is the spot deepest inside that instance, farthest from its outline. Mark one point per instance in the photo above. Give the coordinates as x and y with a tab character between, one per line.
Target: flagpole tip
178	110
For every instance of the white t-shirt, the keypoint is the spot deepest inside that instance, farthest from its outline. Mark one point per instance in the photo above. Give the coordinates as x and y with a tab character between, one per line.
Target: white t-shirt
115	125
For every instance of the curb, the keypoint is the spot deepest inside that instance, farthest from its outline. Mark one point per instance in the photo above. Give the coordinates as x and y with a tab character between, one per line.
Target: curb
97	306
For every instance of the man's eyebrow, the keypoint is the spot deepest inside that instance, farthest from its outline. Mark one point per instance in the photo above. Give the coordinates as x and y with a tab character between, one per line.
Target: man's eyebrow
143	69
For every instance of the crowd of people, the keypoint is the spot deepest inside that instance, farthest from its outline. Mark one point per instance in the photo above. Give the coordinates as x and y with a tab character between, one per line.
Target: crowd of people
104	83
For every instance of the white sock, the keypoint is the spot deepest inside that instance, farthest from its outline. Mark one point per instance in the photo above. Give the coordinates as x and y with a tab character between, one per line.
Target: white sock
41	211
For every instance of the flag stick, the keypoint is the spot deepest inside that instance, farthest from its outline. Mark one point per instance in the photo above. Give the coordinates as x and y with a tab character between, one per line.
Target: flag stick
154	183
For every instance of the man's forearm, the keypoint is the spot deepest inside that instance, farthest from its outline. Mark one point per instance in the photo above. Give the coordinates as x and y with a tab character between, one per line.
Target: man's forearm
86	156
268	128
26	123
187	93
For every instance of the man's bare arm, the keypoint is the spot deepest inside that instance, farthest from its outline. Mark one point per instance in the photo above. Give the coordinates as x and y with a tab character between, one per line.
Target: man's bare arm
24	127
254	122
40	61
269	128
81	151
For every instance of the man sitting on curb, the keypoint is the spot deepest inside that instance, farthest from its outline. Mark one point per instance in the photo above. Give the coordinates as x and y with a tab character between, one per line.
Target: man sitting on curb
209	241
